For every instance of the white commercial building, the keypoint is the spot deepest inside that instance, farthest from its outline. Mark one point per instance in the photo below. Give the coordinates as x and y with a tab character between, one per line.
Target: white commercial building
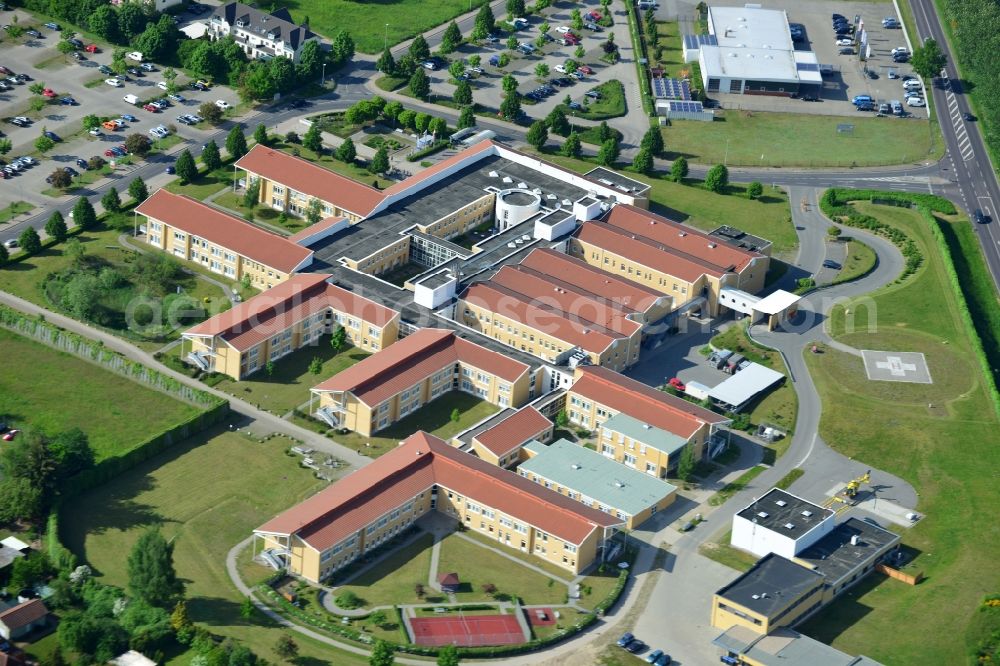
259	34
780	523
750	52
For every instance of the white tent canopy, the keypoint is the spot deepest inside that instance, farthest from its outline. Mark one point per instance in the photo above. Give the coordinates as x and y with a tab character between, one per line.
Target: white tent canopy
746	384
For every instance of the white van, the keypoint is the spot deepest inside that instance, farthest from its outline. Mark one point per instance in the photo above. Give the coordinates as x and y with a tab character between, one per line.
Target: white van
911	84
134	55
131	99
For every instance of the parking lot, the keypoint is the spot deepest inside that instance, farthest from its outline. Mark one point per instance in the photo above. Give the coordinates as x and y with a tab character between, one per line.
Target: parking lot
850	75
486	86
83	81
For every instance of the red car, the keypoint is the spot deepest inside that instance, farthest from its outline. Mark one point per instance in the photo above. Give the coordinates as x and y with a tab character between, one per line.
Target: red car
585	69
570	39
675	383
91	48
10	435
151	108
49	92
109	153
594	16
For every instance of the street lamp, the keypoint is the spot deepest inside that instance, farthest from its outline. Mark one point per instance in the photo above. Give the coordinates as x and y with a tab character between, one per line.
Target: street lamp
725	159
322	78
386	37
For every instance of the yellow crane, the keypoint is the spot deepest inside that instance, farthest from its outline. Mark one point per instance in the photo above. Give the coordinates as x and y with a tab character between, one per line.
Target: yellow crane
851	491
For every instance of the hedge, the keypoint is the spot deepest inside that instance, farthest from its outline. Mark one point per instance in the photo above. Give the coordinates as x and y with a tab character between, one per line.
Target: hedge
837	196
435	147
639	48
963	307
59	555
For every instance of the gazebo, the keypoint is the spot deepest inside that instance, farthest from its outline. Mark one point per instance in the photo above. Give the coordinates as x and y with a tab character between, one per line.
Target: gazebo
449	582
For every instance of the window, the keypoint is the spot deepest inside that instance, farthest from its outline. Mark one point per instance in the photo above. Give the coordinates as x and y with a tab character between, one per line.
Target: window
630	460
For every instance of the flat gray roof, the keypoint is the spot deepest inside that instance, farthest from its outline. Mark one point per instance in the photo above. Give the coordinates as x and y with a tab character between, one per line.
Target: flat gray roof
745	385
786	647
611	178
739	238
771	584
640	431
610	483
835	557
777	508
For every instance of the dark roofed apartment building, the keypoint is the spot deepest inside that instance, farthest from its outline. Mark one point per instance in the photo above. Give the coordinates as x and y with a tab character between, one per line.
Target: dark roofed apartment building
259	34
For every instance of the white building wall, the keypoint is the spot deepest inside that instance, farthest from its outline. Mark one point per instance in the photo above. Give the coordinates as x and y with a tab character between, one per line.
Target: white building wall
762	541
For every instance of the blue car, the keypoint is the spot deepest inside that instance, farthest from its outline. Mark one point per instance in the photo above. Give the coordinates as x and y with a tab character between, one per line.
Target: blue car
626	638
67	101
53	136
129	117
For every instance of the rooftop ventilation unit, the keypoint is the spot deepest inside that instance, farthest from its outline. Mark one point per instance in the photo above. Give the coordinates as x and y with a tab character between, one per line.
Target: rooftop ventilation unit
511	245
619	484
807	513
789	526
494	174
712	246
781	503
551	197
575	466
523	186
604	181
762	514
567	202
682	234
525	237
508	179
537	191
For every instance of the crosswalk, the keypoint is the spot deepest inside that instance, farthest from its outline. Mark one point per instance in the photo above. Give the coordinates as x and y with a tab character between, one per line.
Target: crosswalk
958	122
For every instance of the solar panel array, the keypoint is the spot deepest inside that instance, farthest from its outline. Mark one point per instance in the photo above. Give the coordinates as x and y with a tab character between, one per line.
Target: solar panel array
671	89
695	42
685	107
807	67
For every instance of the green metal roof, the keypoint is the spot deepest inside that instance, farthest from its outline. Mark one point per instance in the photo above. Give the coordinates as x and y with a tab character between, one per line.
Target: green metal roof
649	435
591	474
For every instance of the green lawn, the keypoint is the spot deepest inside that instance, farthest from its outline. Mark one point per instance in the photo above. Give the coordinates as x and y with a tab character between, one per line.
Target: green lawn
768	217
352	171
735	486
393	579
611	104
205	185
206	511
476	566
434	418
939	437
367	21
13	209
860	261
781	139
263	214
722	552
51	390
289	386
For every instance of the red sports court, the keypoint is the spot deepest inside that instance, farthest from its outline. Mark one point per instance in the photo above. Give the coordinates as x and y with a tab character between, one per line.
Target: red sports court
467	630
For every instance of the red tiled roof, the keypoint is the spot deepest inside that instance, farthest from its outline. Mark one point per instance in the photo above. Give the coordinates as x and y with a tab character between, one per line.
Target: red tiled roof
413	358
313	229
573	271
308	178
540	316
449	579
520	427
642	402
280	307
199	219
421	461
24	614
575	303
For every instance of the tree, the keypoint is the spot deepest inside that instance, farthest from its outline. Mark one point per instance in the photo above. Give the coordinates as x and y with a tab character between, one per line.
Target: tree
386	63
576	20
257	83
679	169
158	40
489	589
406	118
210	112
282	73
512	43
438	127
540	42
604	132
927	60
456	69
269	368
292	137
467	118
579	52
4	255
30	570
419	50
347	152
541	70
380	162
510	107
56	227
341	48
20	499
185	167
246	606
382	655
608	153
377	618
310	61
451	39
137	189
572	147
83	214
286	648
338	339
463	93
448	656
90	121
210	156
104	21
260	134
643	161
313	139
456	415
96	162
111	201
421	121
557	122
36	104
179	619
236	142
251	196
420	85
151	574
44	144
315	211
485	21
652	141
36	88
138	144
118	63
60	179
316	365
755	189
685	466
544	28
29	240
504	60
170	78
537	135
717	179
132	20
474	60
515	8
508	83
419	591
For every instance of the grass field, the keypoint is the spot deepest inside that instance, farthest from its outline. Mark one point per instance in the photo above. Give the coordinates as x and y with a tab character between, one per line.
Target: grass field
264	216
434	418
722	552
778	137
860	261
52	391
939	437
205	185
352	171
769	217
611	104
289	386
13	209
476	566
393	579
371	24
208	512
735	486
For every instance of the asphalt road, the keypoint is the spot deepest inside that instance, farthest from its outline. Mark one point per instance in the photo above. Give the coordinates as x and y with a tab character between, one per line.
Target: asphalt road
974	181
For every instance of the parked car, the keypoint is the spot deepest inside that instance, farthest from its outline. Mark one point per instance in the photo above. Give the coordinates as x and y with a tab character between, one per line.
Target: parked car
151	108
586	69
676	383
177	98
11	434
980	217
969	117
563	29
33	33
92	48
52	135
915	101
114	82
68	101
147	67
134	55
636	646
830	263
134	72
76	55
626	638
222	104
890	22
49	92
104	69
170	170
845	42
96	132
847	51
53	26
82	163
900	50
653	656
